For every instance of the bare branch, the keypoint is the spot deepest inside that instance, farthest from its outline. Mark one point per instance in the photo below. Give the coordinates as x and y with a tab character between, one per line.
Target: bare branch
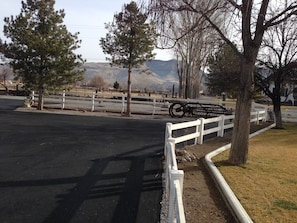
282	16
215	27
233	3
260	21
222	35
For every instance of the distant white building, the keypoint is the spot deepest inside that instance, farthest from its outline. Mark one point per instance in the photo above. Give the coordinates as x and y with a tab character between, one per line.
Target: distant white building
288	87
288	93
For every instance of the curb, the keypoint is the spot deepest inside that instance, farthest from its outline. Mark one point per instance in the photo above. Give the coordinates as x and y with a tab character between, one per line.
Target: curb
236	208
140	116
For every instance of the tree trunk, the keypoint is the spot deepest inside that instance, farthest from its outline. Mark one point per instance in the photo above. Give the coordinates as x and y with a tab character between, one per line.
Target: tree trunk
180	86
278	115
40	99
6	90
277	105
240	138
128	112
187	83
180	73
186	95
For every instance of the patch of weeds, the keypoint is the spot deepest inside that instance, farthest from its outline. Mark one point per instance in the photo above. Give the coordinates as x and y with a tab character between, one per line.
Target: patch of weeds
287	205
226	163
222	163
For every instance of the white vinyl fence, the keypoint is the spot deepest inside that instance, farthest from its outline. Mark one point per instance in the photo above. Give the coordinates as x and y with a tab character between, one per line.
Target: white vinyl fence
174	179
200	128
106	102
289	115
218	126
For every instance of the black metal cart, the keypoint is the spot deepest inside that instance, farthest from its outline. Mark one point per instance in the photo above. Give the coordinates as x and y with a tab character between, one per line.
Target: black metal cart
204	110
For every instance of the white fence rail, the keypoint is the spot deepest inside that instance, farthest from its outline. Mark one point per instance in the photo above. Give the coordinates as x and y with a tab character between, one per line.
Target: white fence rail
219	125
289	115
173	176
106	102
174	185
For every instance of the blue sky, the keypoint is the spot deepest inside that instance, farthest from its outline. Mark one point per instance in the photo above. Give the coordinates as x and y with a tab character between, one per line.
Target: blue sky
86	17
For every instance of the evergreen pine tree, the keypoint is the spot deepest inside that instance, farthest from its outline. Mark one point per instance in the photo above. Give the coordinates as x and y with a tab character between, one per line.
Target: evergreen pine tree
41	47
130	41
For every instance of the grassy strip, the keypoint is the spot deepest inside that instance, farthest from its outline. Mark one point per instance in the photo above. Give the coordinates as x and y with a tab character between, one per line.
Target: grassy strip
267	185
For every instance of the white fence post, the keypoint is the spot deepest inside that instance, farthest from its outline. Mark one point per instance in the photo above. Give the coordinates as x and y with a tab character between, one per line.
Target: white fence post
172	198
93	102
168	134
221	126
201	131
197	130
171	162
181	218
171	154
33	95
63	100
176	175
123	103
154	104
266	115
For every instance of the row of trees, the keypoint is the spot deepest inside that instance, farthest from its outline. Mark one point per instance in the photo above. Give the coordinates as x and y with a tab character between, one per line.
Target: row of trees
244	26
192	39
42	50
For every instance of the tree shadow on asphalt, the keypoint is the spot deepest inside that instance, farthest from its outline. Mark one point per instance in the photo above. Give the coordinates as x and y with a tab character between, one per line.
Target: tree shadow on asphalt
133	182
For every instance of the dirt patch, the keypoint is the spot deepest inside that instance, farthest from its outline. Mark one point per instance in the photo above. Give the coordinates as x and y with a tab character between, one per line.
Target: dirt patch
203	202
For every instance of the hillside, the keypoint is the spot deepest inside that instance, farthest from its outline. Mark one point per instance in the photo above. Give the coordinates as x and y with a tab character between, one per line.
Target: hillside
154	75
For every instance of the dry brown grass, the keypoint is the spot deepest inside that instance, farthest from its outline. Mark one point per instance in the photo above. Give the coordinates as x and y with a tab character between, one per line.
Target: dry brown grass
267	185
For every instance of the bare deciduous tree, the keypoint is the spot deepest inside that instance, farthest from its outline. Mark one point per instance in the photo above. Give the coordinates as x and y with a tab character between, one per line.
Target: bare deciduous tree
191	38
97	82
4	73
278	55
254	17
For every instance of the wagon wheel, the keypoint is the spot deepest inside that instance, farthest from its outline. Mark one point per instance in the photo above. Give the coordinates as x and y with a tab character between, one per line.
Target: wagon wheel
177	110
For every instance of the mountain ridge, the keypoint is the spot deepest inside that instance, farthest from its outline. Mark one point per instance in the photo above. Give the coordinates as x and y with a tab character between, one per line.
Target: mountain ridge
154	75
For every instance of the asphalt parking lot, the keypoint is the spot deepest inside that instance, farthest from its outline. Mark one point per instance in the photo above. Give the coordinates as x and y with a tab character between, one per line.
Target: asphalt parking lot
68	168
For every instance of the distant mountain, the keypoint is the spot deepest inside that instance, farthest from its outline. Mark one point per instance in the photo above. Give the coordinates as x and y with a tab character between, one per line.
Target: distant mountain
153	75
163	68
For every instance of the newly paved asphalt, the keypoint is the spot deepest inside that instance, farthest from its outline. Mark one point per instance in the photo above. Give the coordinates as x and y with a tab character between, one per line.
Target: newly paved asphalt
80	169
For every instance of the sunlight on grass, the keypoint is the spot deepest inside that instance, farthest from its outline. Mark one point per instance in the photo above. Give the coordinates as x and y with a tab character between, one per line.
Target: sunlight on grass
267	185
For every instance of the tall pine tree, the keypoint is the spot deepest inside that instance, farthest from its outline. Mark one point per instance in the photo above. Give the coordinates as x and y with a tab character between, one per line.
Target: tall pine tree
41	47
223	71
129	41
